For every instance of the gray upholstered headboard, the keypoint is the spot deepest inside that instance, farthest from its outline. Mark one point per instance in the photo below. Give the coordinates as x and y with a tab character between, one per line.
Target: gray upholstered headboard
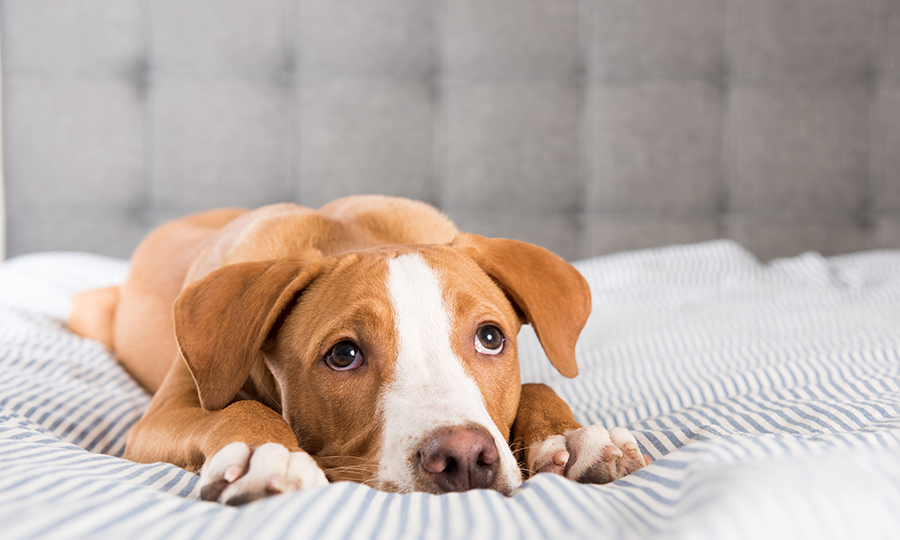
587	126
2	182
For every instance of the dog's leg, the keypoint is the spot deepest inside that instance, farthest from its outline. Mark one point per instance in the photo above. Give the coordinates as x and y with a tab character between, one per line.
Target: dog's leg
551	440
243	452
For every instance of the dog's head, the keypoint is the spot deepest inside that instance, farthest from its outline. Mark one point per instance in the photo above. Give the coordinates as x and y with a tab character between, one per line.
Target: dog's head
395	366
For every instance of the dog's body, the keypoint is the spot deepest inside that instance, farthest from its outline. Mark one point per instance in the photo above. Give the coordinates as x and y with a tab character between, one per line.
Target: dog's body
369	340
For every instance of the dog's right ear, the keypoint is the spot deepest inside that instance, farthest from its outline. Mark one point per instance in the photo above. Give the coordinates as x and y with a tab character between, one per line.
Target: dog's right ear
223	320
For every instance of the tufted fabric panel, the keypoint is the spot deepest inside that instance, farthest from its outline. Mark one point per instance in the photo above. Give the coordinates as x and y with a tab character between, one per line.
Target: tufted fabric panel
586	126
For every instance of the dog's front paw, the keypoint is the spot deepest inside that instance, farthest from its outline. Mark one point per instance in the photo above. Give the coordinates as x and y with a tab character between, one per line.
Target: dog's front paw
235	475
590	455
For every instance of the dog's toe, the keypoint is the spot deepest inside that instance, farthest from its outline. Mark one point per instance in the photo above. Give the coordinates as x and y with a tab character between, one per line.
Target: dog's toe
236	476
550	456
226	466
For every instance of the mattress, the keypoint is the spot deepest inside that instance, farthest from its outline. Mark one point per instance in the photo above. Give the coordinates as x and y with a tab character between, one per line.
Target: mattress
768	396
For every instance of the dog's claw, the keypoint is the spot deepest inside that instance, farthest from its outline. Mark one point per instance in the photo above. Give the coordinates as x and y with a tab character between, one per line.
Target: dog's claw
631	450
610	453
236	476
561	458
233	473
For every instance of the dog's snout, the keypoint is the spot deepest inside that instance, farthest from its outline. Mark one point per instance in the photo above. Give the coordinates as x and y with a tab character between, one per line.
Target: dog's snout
459	458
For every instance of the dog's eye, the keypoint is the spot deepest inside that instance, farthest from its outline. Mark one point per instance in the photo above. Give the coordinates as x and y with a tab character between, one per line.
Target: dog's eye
344	356
489	339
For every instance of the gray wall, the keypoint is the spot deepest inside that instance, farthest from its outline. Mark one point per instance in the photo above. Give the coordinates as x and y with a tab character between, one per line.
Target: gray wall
587	126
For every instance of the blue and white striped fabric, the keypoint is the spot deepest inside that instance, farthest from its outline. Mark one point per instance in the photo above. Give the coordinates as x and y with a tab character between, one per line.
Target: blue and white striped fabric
768	396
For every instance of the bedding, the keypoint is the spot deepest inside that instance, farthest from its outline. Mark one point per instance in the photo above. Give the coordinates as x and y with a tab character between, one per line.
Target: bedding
768	396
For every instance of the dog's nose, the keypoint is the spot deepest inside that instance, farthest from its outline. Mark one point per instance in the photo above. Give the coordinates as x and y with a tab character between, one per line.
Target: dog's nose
459	458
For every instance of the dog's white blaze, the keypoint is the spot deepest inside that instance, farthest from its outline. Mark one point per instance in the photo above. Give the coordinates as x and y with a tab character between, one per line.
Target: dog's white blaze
430	387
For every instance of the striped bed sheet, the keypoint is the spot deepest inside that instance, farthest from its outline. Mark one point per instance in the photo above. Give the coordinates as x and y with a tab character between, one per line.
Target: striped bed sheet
767	394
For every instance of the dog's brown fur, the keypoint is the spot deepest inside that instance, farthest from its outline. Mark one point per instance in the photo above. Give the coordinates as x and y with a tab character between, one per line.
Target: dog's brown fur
234	277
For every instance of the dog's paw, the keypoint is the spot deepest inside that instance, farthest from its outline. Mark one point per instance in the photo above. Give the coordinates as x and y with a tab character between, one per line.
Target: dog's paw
590	455
235	475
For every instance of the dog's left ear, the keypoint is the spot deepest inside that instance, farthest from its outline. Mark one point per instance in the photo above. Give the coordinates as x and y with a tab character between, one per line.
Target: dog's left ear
551	294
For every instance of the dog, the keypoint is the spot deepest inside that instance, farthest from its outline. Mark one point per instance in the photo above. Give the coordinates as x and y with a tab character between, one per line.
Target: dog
368	341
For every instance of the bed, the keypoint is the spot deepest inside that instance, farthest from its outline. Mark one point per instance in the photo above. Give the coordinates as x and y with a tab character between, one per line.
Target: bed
768	396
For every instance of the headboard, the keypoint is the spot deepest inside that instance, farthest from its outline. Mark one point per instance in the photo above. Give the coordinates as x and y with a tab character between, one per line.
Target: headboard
586	126
2	183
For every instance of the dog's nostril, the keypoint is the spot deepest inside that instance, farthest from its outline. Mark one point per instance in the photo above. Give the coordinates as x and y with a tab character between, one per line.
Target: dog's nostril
437	460
459	458
451	467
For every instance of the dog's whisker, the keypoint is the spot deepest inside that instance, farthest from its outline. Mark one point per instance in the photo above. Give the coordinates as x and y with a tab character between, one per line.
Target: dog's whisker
350	469
360	475
371	482
268	393
343	471
321	458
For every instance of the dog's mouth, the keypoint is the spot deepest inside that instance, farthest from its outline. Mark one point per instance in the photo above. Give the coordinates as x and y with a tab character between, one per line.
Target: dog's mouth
502	487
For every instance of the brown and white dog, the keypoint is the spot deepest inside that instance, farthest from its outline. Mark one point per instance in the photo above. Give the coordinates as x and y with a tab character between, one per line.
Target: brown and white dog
368	341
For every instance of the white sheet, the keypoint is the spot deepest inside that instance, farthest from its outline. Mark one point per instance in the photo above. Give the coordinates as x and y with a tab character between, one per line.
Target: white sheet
769	396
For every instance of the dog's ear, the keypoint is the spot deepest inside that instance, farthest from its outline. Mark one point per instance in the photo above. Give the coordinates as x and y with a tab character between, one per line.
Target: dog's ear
550	293
223	320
